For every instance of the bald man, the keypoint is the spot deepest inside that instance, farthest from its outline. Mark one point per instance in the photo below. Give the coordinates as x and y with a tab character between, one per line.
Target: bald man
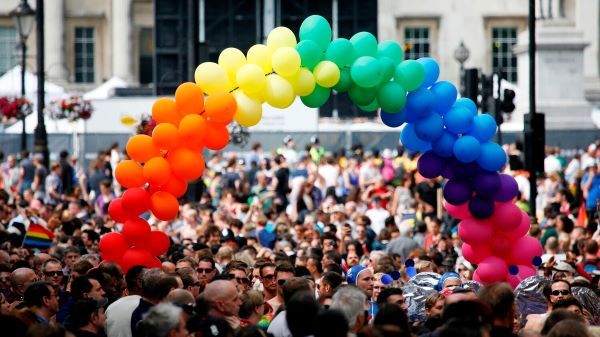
223	301
20	278
168	267
183	299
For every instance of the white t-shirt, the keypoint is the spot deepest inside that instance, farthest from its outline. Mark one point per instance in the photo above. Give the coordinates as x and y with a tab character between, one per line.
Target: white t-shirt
279	327
377	217
118	316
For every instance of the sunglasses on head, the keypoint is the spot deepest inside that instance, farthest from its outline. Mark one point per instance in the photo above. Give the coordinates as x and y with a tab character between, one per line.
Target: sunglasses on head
560	292
53	273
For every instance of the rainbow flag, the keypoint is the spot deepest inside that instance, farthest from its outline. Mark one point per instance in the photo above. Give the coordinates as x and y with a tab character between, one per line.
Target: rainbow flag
38	236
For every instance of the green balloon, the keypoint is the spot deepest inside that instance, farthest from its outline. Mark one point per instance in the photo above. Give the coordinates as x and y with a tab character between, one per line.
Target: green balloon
391	97
310	53
387	68
317	98
365	44
340	52
371	107
390	49
410	74
316	28
362	96
366	72
345	81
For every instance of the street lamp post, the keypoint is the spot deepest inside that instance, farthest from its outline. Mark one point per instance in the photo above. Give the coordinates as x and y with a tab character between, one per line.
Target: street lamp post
40	134
461	55
24	17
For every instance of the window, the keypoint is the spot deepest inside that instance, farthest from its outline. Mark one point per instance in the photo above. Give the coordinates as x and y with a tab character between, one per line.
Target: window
84	54
416	42
146	52
503	59
8	45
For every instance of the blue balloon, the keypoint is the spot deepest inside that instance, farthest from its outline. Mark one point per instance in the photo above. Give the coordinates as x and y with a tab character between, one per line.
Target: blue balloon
420	102
458	120
393	120
444	146
466	149
466	103
513	270
409	263
484	127
386	279
411	271
445	96
492	157
411	117
411	141
432	71
395	275
430	128
537	261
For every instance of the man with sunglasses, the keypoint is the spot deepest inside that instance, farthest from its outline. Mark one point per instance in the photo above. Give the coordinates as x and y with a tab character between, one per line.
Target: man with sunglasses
267	278
283	272
238	271
556	291
52	272
206	269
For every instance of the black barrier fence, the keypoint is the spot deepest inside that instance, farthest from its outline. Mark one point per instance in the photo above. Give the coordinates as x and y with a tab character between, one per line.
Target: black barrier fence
90	143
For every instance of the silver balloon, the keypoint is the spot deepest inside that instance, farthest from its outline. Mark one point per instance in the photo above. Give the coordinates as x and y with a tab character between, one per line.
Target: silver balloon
529	296
472	285
414	297
590	302
426	280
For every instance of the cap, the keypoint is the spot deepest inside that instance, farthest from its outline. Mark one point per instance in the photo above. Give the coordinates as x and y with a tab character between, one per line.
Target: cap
353	273
314	140
564	267
287	139
387	154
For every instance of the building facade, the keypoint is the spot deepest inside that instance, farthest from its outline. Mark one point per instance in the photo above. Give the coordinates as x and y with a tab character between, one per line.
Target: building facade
90	41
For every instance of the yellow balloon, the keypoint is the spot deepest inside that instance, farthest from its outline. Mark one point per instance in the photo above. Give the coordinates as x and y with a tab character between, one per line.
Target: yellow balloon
260	55
279	92
250	78
248	111
232	59
286	61
212	78
281	37
303	82
327	74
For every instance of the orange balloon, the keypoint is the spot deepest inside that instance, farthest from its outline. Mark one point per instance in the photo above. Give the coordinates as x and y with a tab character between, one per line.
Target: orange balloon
220	107
157	171
129	174
192	131
189	99
175	186
165	136
185	163
141	148
164	110
164	205
217	137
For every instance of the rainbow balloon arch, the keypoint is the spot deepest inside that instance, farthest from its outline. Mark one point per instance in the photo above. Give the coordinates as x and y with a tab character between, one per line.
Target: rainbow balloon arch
455	140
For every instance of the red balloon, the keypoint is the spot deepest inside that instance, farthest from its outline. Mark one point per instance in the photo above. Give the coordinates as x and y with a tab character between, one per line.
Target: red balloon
136	257
136	201
217	137
157	244
117	212
113	246
136	231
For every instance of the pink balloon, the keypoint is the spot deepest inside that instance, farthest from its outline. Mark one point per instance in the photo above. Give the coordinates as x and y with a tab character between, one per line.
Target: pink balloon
459	212
501	245
492	269
476	277
506	217
474	232
524	272
525	249
476	253
522	229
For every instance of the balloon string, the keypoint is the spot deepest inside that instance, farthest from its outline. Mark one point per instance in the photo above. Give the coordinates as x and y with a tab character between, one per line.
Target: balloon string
236	88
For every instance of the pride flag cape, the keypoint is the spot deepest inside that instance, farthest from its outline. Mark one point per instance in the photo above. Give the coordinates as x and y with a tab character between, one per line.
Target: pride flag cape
38	236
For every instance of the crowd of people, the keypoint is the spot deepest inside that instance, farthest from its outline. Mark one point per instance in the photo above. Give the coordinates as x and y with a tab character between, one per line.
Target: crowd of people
292	242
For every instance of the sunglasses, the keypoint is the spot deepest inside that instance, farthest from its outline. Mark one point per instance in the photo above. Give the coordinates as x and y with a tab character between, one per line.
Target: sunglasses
269	277
281	282
239	280
53	273
189	308
560	292
204	270
4	278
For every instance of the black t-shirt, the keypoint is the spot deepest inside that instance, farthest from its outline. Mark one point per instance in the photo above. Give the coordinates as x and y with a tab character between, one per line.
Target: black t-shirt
428	193
283	176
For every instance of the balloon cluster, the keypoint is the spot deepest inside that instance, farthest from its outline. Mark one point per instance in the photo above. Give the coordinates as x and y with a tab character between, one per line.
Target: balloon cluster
160	167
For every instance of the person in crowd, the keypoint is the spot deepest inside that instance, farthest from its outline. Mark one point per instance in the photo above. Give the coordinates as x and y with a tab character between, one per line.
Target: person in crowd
164	320
41	301
352	302
88	317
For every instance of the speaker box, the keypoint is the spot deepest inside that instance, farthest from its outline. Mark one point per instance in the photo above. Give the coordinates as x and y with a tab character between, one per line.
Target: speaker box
535	140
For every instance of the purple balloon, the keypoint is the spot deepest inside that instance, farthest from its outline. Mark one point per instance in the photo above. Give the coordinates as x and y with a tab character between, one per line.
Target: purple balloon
463	170
486	183
430	165
457	192
508	188
481	207
448	173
